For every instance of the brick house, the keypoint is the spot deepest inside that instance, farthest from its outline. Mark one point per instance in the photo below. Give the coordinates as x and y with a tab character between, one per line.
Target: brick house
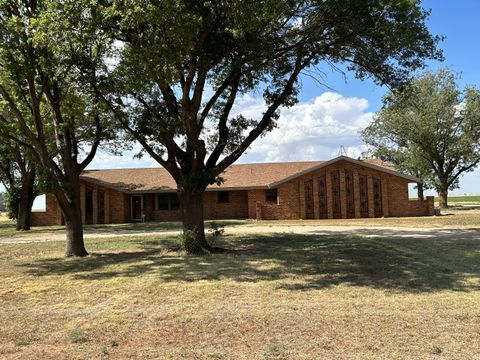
340	188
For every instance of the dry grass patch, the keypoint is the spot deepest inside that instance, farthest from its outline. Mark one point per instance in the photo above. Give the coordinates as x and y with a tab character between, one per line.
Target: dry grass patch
272	296
457	219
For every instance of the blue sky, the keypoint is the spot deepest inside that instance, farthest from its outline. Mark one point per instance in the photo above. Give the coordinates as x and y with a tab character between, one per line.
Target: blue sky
330	117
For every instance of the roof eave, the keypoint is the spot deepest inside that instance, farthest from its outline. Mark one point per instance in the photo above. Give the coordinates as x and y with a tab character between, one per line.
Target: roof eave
344	158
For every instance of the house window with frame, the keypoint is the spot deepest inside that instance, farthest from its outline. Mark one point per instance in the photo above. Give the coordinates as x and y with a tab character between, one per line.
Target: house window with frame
168	202
271	195
223	197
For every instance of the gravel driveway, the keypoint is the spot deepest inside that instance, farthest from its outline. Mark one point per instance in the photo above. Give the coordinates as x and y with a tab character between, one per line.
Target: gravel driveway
394	232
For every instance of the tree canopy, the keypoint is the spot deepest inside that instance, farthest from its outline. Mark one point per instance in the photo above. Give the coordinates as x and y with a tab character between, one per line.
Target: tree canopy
180	66
18	175
431	128
46	106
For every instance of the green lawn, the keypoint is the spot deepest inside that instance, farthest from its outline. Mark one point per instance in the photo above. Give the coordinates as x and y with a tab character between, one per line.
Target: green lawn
269	297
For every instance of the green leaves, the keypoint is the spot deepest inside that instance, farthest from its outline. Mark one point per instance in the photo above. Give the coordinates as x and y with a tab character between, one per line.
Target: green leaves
431	128
179	66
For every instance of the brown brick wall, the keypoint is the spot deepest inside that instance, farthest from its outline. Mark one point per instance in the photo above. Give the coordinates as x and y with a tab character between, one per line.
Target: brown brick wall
119	208
291	204
252	203
236	208
51	216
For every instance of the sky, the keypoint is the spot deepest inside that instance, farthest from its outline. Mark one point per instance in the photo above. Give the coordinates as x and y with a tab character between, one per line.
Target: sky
330	117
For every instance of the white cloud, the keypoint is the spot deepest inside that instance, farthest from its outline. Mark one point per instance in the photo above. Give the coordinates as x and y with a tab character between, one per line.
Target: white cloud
105	160
312	130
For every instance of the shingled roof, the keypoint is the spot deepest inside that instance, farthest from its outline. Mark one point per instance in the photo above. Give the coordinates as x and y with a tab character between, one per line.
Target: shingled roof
238	176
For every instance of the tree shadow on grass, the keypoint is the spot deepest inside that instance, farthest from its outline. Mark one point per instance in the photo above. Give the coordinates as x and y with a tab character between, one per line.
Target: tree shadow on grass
295	262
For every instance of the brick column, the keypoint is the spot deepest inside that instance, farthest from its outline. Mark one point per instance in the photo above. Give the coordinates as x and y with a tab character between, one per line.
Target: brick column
302	200
385	196
316	200
254	197
430	205
328	184
343	194
258	211
371	203
95	204
107	206
356	193
83	189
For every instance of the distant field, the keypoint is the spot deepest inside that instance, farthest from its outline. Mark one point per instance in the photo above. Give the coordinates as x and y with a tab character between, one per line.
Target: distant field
469	199
462	199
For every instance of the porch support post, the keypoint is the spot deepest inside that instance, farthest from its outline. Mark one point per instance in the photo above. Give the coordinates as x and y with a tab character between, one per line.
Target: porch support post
107	205
356	193
371	203
95	204
385	196
343	194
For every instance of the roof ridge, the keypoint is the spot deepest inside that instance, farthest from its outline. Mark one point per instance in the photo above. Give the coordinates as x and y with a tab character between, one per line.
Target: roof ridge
241	164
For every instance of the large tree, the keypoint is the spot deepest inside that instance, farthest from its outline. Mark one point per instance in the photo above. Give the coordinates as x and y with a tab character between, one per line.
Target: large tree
181	66
431	128
18	175
55	114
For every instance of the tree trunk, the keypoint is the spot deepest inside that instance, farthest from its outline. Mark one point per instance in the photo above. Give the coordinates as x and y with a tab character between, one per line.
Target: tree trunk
194	240
443	199
24	213
420	191
74	228
72	214
25	202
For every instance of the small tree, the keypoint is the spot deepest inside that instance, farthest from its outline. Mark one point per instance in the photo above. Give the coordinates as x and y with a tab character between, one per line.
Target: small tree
431	129
49	109
18	175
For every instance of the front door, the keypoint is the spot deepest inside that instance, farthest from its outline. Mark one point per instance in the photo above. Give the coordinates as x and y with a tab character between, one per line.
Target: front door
137	206
309	211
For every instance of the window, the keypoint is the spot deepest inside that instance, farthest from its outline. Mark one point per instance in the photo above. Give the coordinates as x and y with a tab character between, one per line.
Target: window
162	202
271	195
168	202
223	197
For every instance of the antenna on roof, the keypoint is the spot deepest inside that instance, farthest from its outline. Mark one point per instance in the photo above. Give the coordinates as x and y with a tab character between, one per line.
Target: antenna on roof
343	151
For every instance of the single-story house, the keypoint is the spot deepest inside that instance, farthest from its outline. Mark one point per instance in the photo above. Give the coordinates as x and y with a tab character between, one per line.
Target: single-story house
340	188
